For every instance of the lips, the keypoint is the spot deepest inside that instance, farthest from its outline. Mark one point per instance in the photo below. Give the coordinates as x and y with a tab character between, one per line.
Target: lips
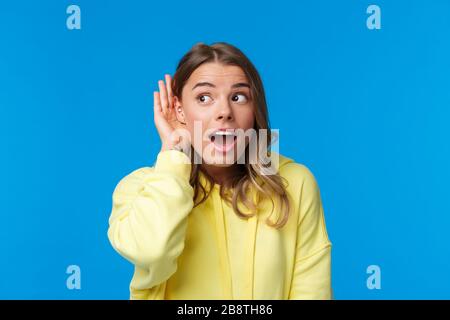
223	139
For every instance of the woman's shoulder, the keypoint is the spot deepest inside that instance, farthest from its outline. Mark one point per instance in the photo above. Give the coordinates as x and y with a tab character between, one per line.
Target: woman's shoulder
137	174
132	180
292	170
300	179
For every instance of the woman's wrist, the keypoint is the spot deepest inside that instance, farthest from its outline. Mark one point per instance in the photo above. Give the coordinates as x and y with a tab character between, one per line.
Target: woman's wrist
176	147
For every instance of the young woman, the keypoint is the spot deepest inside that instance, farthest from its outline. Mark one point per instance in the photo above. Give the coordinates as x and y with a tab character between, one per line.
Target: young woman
215	228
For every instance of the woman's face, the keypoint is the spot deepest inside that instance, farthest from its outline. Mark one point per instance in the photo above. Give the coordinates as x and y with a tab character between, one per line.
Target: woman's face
218	98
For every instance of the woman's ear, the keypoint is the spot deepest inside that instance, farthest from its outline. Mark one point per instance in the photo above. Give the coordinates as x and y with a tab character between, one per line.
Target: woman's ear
179	112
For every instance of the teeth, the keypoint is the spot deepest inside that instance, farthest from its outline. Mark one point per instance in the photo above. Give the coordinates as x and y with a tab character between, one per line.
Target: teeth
224	133
215	136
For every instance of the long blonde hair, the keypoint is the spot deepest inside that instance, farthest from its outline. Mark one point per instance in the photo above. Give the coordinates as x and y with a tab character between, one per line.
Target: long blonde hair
271	187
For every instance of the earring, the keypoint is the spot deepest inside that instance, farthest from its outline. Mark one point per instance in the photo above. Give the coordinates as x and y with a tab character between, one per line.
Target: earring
179	110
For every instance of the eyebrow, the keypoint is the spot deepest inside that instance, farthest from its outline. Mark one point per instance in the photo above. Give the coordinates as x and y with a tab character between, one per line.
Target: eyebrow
209	84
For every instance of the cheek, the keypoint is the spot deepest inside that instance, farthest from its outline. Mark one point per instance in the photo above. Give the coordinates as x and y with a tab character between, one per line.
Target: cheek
195	119
194	113
246	119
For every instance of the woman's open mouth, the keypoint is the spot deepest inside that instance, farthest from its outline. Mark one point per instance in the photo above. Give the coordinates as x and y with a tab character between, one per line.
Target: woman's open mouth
223	140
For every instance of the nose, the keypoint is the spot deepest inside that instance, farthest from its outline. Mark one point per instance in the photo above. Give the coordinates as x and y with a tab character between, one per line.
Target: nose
225	112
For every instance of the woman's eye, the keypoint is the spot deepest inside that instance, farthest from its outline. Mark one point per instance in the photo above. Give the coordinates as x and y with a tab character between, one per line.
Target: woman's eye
239	98
203	98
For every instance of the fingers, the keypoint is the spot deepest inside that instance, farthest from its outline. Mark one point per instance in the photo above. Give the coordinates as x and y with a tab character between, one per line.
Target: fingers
163	97
156	103
169	90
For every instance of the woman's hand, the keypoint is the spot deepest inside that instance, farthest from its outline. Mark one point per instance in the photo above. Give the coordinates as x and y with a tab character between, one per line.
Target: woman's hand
165	118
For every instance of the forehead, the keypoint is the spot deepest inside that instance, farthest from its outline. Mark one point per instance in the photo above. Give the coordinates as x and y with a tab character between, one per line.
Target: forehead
218	74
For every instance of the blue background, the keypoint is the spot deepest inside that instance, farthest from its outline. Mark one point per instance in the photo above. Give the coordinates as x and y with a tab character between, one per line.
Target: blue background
366	110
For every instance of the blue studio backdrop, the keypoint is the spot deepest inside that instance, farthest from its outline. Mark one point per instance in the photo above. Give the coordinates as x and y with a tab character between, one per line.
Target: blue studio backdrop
365	108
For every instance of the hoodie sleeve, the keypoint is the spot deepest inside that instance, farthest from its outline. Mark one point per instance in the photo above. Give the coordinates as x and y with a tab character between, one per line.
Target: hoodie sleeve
148	221
312	269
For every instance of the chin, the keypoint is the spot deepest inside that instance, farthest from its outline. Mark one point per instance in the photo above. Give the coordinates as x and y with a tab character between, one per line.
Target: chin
219	161
222	165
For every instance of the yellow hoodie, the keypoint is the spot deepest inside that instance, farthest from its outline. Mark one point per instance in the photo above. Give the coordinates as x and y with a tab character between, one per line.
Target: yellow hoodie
208	252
